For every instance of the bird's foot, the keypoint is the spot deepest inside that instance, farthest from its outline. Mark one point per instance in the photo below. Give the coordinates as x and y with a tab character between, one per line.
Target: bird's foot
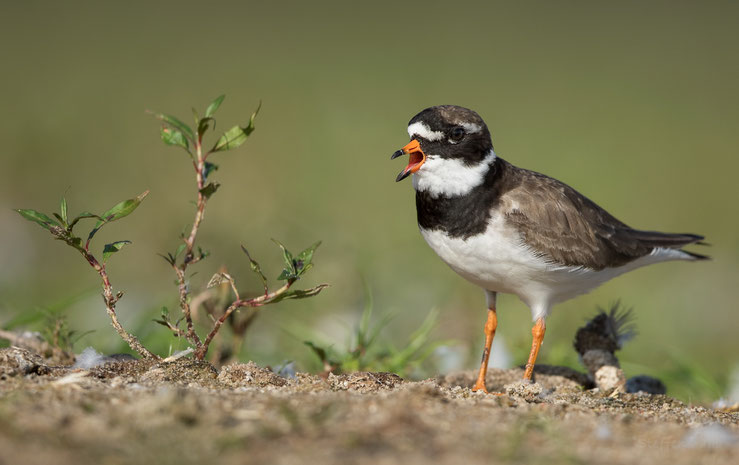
481	387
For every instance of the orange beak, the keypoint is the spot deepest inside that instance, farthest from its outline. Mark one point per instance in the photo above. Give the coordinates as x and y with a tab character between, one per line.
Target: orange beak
417	158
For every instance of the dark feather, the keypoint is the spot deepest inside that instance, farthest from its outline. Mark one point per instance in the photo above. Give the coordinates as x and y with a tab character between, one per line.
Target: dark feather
569	229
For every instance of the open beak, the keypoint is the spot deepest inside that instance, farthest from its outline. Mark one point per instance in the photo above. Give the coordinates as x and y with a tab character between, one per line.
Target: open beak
417	158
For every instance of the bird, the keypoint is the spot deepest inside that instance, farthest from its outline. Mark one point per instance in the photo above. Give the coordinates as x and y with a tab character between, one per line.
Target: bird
511	230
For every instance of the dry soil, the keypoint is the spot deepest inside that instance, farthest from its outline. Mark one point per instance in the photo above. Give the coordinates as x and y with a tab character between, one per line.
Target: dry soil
186	412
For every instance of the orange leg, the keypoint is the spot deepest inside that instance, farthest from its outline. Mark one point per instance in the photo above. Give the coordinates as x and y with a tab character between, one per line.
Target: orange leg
490	327
538	332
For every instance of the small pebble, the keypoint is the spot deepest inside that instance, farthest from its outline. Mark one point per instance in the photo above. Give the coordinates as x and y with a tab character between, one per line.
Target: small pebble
644	383
603	432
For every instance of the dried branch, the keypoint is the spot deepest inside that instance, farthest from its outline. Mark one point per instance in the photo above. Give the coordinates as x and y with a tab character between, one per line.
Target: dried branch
254	302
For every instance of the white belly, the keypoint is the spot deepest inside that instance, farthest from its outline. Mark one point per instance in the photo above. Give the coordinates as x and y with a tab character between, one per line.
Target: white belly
499	261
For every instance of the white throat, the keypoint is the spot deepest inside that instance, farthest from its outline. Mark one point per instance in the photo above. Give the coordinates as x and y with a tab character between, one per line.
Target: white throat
450	177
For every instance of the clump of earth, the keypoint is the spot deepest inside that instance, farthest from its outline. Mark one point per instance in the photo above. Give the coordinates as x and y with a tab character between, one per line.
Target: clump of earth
185	411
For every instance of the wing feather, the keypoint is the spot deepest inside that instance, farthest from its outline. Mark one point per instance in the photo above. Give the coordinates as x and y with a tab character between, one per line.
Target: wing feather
559	223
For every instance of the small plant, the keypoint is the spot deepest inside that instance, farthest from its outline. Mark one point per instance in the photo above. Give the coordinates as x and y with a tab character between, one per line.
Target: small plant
176	133
54	340
57	333
365	352
62	228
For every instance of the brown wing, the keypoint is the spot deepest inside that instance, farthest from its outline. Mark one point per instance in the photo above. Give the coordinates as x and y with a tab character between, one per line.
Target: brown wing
566	227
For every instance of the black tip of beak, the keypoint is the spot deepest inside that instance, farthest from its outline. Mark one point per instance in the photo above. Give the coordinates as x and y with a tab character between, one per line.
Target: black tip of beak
396	154
404	174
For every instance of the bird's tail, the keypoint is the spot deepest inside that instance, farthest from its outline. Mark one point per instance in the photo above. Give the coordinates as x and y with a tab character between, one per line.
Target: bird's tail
660	240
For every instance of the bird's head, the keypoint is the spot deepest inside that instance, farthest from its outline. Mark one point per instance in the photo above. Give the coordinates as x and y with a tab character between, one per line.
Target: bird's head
450	146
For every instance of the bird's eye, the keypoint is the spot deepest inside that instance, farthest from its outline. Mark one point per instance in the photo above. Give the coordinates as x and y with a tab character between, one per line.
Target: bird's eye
457	134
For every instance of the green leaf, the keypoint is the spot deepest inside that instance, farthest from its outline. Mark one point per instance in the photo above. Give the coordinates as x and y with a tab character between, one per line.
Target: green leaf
112	248
168	258
162	322
59	232
250	127
63	210
307	254
176	124
319	351
305	258
81	216
286	275
231	139
210	189
213	107
418	340
117	212
37	217
73	241
256	269
237	135
289	272
174	137
286	255
209	168
299	293
203	125
179	250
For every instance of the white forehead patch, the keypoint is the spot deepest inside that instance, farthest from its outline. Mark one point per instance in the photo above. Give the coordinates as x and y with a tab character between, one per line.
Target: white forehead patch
425	132
471	128
450	177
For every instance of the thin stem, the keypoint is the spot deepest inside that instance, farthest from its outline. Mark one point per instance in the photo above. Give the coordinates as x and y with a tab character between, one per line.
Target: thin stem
254	302
191	335
266	298
110	301
231	282
177	331
199	165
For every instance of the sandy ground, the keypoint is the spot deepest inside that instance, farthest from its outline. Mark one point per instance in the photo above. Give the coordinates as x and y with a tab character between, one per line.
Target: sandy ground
186	412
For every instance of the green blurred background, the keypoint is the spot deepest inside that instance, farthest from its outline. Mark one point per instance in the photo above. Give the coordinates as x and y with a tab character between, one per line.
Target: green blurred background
635	104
